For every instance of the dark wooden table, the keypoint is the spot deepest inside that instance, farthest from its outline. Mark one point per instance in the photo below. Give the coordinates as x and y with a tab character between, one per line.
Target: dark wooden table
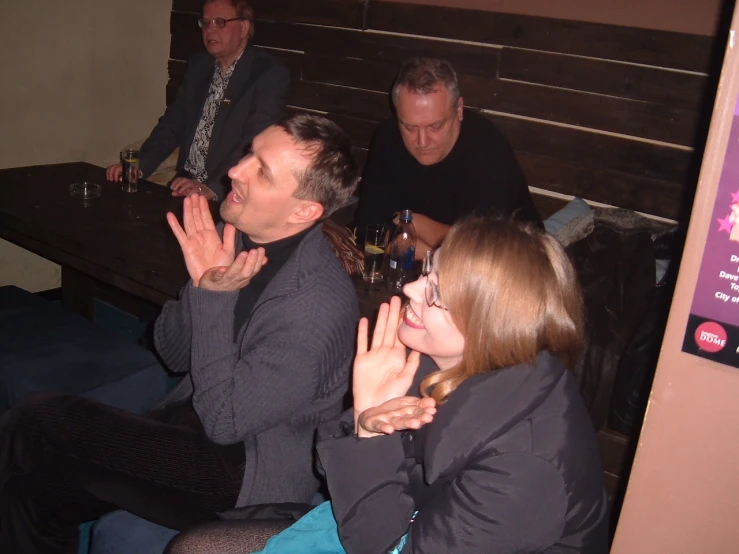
119	241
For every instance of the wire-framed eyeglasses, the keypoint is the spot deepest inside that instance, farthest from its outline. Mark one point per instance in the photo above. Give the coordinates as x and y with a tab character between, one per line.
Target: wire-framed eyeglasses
217	22
431	292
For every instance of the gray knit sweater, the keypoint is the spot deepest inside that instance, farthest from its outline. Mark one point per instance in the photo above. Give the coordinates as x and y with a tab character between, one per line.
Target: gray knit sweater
286	374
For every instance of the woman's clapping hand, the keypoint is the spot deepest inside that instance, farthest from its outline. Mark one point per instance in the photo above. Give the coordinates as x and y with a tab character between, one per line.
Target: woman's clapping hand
384	371
398	414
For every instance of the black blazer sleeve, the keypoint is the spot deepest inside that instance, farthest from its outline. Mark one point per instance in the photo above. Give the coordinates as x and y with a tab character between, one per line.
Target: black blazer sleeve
170	131
523	498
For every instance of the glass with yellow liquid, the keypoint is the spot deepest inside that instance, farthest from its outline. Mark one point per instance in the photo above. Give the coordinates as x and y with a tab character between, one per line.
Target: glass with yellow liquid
130	164
374	252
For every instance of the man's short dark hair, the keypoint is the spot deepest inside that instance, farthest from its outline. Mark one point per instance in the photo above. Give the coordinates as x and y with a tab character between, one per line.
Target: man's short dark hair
243	9
332	176
424	75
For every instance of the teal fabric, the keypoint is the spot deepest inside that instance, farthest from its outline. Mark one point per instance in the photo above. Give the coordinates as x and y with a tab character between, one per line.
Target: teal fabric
314	533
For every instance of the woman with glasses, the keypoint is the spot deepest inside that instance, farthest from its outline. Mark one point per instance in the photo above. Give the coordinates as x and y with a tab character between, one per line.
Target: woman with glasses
468	434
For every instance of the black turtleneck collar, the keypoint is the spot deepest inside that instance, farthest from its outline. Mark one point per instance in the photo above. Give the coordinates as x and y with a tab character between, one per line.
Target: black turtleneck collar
277	252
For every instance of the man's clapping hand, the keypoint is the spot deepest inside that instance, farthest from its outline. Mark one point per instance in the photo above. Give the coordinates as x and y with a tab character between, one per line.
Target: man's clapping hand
208	257
236	276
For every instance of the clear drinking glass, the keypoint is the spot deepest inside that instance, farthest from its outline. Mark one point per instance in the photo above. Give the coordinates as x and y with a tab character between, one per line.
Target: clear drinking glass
130	164
374	252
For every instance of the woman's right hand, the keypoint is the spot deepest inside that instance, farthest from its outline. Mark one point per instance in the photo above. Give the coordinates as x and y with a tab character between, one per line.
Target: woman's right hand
398	414
384	371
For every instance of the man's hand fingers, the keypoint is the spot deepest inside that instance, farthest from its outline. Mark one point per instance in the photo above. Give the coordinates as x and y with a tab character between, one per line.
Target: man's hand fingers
197	212
219	273
187	217
177	229
205	211
362	335
229	238
252	263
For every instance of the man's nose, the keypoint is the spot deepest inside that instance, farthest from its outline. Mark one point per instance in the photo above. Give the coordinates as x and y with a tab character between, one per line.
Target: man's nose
422	140
238	170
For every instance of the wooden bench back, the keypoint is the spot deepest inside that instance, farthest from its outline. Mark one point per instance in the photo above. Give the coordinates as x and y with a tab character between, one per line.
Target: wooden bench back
608	113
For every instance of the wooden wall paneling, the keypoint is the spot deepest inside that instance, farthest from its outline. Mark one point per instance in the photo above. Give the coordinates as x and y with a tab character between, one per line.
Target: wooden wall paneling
346	73
600	151
616	188
292	60
596	111
648	84
643	46
349	72
186	36
340	13
373	46
191	6
547	205
340	100
360	130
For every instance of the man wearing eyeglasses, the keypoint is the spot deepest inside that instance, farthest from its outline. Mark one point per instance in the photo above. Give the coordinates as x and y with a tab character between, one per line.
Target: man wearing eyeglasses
230	93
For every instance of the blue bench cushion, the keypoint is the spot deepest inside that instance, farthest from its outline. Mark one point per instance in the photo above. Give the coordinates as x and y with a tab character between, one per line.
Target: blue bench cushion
44	347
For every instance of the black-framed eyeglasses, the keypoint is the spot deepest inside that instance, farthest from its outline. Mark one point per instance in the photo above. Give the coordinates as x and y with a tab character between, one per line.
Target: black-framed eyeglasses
433	298
217	22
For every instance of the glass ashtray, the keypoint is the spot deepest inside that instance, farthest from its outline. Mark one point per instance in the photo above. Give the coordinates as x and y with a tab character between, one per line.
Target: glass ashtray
85	190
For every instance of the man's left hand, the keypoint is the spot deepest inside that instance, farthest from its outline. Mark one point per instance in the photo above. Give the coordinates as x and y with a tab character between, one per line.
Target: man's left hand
202	246
237	275
182	186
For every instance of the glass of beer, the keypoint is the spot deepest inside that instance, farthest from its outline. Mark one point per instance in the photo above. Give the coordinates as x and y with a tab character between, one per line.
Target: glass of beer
130	164
374	252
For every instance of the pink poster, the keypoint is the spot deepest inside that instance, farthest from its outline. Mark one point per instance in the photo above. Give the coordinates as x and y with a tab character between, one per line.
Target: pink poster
713	325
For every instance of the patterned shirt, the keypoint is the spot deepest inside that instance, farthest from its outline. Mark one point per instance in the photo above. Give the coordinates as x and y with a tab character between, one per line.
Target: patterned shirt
195	164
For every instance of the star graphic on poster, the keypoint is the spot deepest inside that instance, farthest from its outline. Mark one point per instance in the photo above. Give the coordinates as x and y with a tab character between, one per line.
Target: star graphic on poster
735	197
726	224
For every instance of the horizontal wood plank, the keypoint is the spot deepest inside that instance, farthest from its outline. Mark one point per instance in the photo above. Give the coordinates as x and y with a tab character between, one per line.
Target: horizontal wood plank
379	47
613	448
596	150
350	72
649	84
662	198
629	44
340	13
340	100
186	37
547	205
605	113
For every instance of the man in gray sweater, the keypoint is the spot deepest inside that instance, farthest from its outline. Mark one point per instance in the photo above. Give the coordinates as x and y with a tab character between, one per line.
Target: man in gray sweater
265	328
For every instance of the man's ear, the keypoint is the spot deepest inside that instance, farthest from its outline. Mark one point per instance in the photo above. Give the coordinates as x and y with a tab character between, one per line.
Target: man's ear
460	108
245	28
307	211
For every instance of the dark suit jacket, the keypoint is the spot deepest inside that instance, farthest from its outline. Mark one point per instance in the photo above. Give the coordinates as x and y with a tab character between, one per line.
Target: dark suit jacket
256	96
509	464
